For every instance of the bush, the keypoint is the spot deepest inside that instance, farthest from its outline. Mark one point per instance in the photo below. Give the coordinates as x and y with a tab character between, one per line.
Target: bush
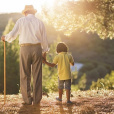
104	83
74	87
93	71
82	82
73	77
52	84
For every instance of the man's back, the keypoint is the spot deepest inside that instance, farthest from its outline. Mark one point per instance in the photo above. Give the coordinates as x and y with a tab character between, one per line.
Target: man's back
30	29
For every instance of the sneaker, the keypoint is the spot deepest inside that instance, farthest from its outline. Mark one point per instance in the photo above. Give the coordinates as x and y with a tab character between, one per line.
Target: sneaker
69	102
58	99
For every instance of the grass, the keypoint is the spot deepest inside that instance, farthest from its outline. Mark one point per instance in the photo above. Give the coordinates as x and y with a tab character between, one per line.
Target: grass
84	102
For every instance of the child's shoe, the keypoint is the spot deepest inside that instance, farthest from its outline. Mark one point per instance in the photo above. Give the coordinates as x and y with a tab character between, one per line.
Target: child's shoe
69	102
58	99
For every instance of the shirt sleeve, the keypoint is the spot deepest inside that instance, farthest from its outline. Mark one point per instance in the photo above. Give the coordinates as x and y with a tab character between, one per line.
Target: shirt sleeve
71	59
13	34
55	60
44	39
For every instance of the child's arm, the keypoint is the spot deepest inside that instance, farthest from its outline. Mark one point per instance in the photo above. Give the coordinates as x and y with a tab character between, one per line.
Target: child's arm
50	64
71	60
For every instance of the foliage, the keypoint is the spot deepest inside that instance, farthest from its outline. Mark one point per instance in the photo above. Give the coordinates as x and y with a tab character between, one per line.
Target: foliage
93	71
94	16
12	63
74	87
82	82
52	84
50	81
104	83
74	76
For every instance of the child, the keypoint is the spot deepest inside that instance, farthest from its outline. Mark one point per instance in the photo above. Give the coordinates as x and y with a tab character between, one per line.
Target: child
63	60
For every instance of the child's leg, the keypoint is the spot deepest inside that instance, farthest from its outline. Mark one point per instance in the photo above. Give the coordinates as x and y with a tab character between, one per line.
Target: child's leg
68	88
60	87
60	93
68	94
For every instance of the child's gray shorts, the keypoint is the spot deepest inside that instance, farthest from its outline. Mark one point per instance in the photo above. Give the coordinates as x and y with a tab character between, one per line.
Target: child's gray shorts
64	84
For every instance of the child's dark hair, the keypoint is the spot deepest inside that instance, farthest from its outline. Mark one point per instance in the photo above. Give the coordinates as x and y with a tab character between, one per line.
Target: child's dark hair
61	47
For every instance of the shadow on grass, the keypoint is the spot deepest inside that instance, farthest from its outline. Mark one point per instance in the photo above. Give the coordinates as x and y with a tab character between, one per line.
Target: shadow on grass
30	109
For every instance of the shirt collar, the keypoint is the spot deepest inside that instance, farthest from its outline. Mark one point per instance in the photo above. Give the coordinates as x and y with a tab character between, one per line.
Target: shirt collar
30	15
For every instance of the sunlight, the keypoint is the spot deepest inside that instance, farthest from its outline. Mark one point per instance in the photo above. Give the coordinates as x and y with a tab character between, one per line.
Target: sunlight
48	3
74	0
9	6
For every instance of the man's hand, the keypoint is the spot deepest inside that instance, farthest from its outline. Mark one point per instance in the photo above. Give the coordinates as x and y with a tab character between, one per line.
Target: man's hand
43	60
3	38
44	55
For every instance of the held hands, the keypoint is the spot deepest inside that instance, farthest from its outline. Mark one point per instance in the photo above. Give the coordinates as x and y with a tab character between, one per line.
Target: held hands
46	62
3	38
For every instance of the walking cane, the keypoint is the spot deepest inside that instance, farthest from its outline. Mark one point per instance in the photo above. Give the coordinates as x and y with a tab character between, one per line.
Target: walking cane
4	73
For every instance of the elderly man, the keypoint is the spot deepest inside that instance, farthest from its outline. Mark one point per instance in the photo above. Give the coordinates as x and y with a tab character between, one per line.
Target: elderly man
33	44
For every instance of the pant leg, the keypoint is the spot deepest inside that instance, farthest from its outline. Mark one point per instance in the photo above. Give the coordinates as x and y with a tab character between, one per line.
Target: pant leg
25	73
37	74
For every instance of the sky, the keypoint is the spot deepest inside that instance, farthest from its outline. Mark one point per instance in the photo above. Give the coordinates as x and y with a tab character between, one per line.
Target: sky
9	6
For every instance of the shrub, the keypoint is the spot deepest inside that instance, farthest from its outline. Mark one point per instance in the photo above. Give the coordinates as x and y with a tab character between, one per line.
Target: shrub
52	84
82	82
104	83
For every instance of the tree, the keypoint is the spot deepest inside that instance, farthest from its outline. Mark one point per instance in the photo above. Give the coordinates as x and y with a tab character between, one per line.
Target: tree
96	16
12	63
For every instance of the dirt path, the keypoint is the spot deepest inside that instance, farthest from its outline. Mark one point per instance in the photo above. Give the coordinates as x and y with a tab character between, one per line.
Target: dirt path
88	102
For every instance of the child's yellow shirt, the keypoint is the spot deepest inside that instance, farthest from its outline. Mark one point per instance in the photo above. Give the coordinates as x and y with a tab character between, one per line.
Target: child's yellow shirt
63	61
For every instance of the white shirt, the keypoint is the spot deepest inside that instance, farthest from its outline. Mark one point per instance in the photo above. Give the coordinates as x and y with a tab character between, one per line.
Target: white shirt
30	30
